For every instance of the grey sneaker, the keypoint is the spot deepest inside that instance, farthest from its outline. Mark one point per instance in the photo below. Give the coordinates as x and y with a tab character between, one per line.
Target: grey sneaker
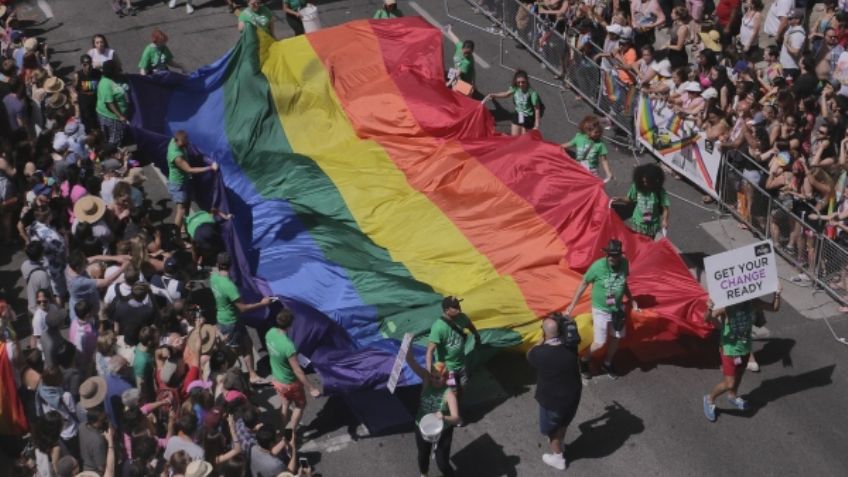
738	403
709	409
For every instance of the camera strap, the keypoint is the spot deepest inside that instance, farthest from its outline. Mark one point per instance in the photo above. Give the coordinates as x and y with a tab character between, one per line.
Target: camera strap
455	328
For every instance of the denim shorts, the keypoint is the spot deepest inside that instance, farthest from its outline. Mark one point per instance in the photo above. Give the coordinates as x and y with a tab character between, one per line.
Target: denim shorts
180	193
550	420
234	334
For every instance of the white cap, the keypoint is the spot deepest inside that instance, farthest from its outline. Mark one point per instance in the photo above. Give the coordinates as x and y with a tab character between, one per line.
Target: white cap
662	68
709	93
626	33
692	87
615	29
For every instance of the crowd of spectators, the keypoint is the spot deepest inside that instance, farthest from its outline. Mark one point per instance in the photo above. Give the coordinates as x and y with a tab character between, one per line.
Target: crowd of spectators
769	82
130	367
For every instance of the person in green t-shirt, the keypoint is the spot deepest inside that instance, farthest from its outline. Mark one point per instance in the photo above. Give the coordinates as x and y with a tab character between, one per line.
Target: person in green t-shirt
587	148
112	105
292	9
388	10
257	15
288	377
438	398
228	307
143	362
608	277
179	175
447	341
205	233
650	201
736	323
157	56
528	105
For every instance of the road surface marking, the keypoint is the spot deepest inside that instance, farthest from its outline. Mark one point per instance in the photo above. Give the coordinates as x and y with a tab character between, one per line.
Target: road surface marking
449	35
48	12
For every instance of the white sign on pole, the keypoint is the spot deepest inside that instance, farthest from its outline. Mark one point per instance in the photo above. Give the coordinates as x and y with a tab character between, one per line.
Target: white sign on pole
398	366
741	274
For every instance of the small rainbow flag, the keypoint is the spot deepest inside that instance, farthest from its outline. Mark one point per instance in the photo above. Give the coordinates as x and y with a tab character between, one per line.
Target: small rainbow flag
675	124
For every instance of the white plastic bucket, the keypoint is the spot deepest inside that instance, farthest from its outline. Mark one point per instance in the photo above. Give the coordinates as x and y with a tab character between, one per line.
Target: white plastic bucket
431	427
309	17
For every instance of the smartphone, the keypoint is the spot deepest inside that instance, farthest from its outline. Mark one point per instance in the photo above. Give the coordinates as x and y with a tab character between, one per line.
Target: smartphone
303	462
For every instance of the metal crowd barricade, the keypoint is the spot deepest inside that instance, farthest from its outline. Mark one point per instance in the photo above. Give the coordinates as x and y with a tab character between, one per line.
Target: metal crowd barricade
607	95
466	12
832	271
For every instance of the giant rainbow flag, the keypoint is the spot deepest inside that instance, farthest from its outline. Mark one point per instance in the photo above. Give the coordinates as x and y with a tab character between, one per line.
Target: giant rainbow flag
363	190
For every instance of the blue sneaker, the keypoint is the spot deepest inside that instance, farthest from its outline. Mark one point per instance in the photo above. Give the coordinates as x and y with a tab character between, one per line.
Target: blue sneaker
738	403
709	409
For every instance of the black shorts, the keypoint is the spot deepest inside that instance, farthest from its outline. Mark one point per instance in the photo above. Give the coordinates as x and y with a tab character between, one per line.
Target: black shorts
552	420
207	241
528	123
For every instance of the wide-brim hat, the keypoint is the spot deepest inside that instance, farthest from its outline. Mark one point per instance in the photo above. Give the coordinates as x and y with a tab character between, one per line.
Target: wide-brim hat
89	209
3	10
206	334
56	101
711	40
92	392
54	84
615	29
709	93
198	468
662	68
626	34
30	44
614	248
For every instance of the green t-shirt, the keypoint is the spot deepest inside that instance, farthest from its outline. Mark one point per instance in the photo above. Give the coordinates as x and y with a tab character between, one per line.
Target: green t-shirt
155	58
195	220
463	64
296	4
280	349
647	214
607	282
176	175
588	152
736	331
109	91
143	366
450	346
226	295
261	18
525	101
383	14
432	400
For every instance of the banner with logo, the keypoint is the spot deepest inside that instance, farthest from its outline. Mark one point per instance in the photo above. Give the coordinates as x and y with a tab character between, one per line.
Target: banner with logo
741	274
678	143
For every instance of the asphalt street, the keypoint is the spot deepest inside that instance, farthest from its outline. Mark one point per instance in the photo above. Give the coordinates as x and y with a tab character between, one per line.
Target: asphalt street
649	422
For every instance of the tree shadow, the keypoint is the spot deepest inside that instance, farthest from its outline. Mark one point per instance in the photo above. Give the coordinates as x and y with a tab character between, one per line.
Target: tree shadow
773	389
485	457
603	435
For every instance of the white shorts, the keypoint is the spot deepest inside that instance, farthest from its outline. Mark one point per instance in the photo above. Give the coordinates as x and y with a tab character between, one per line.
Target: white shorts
600	322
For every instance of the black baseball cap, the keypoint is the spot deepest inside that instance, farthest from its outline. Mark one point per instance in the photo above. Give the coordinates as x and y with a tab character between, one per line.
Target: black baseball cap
450	302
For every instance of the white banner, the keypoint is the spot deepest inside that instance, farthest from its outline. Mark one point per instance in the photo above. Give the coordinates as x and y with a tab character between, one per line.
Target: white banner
741	274
678	143
398	366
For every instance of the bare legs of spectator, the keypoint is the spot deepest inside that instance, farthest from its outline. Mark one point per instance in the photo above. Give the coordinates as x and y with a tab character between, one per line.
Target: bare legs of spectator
292	416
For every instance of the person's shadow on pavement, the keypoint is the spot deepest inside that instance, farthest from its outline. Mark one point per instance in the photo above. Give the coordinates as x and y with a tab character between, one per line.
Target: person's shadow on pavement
773	389
603	435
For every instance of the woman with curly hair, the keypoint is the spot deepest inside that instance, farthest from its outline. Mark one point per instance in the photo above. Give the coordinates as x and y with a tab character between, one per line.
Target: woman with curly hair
650	200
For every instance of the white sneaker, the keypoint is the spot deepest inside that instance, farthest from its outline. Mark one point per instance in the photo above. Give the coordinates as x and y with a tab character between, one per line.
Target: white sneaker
189	8
753	367
172	4
557	461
